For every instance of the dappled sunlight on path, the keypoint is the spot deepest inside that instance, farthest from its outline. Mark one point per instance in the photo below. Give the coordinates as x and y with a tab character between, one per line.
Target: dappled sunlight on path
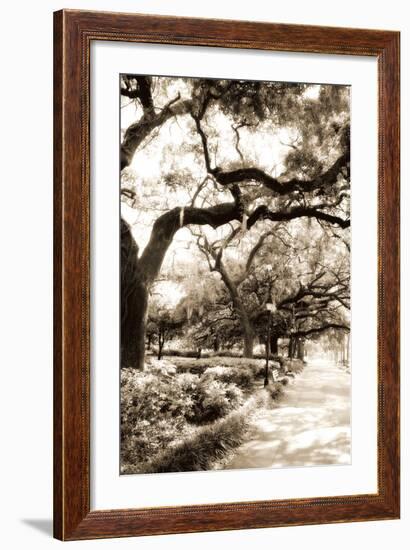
310	425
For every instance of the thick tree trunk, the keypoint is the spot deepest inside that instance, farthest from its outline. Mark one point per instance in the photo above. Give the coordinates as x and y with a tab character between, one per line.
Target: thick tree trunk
133	328
247	330
290	347
274	344
248	340
134	302
300	348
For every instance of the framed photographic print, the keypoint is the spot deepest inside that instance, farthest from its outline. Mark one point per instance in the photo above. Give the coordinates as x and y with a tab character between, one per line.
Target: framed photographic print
226	284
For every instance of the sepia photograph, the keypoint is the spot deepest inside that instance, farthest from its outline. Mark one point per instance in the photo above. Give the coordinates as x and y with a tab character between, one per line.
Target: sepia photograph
235	274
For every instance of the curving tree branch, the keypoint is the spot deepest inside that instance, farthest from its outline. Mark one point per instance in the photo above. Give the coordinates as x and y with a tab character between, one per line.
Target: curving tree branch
263	212
137	132
329	177
319	329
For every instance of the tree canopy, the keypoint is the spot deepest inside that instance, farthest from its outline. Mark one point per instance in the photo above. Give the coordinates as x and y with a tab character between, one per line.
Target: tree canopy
233	193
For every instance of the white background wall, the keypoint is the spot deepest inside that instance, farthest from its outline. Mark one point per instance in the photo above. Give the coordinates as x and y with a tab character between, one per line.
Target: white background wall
26	269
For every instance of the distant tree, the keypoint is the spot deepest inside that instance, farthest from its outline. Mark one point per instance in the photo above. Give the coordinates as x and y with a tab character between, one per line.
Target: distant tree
308	283
317	298
164	324
214	255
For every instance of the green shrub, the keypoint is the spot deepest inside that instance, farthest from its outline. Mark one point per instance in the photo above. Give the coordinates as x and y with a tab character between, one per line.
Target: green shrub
160	407
213	399
154	408
243	377
193	368
235	365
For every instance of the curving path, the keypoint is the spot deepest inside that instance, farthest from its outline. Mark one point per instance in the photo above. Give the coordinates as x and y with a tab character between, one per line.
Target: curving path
310	425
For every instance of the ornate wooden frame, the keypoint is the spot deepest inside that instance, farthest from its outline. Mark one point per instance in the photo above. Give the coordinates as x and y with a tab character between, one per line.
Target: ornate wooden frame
73	33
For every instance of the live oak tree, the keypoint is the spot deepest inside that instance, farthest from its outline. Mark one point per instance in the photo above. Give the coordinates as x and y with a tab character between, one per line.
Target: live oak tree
224	180
319	306
308	281
233	280
316	297
214	256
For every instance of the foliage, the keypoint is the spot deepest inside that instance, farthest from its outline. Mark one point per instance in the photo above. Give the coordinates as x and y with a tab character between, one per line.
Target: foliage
238	194
241	371
274	158
199	451
208	444
174	420
160	406
213	399
292	366
238	367
243	377
154	407
275	390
